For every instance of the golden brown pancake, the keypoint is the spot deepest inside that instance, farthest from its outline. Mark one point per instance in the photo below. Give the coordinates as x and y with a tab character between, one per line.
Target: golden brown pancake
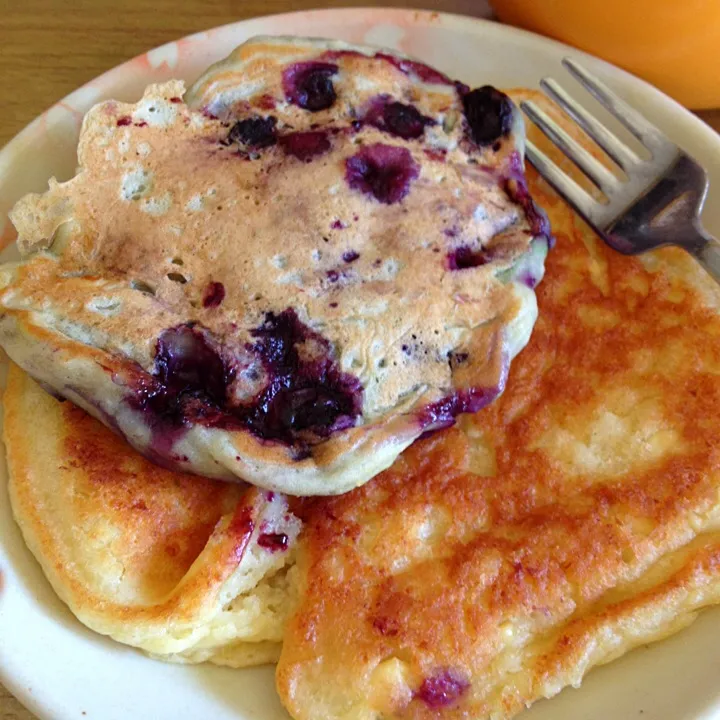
182	567
576	518
326	252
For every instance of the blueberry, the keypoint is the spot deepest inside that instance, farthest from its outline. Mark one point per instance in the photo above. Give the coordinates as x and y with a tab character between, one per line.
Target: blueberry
254	132
405	121
306	391
384	171
489	114
396	118
186	361
188	385
309	85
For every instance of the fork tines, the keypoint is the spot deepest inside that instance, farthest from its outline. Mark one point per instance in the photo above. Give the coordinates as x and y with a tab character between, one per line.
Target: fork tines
638	170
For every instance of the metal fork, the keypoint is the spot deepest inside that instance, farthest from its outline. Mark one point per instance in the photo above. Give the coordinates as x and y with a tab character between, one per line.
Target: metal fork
661	200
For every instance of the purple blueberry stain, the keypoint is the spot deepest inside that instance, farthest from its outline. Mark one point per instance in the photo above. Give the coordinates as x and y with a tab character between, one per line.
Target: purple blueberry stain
186	361
383	171
188	385
254	132
274	542
213	295
465	257
489	114
306	392
423	72
442	689
350	256
305	397
305	145
442	414
337	225
517	189
124	120
309	85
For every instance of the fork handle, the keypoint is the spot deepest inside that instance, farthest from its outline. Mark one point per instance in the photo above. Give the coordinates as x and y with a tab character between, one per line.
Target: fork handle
707	252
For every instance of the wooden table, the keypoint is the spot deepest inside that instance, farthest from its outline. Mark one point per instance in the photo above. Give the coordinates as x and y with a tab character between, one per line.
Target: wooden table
50	48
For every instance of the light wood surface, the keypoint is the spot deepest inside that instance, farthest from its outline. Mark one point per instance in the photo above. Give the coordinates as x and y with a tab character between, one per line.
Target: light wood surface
47	49
11	709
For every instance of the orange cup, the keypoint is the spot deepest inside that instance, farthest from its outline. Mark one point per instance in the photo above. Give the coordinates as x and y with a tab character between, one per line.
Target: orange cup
674	44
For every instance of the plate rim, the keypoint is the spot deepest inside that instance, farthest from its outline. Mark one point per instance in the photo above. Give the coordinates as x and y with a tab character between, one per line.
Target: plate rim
13	681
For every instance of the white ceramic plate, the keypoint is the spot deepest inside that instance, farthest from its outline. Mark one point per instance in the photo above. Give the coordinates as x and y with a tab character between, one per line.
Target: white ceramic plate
61	670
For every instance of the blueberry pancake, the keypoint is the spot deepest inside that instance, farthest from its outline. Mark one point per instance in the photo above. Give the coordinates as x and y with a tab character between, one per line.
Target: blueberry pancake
188	569
324	253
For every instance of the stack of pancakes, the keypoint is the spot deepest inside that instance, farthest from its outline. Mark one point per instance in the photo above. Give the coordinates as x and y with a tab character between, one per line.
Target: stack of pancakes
493	564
